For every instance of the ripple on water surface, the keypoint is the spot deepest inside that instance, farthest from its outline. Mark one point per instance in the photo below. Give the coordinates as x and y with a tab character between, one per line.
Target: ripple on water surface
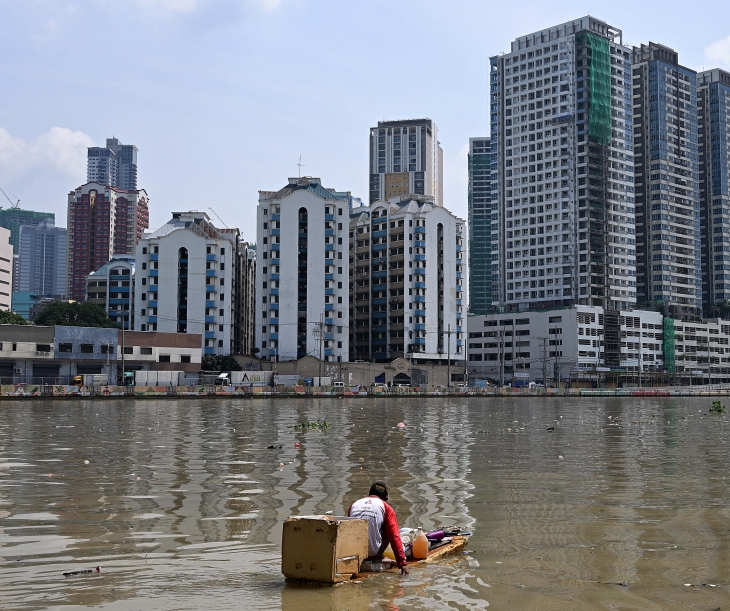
574	503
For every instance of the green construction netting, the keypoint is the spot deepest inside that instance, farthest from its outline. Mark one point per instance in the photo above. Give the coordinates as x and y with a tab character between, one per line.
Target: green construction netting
669	344
599	114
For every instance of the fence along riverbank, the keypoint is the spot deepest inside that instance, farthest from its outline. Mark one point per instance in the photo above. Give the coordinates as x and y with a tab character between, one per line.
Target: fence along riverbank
20	391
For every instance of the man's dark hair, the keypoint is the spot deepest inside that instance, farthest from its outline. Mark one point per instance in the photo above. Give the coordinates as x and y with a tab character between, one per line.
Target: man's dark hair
379	489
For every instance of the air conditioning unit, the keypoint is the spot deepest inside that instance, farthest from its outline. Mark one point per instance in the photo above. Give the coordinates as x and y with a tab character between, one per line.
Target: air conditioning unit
18	371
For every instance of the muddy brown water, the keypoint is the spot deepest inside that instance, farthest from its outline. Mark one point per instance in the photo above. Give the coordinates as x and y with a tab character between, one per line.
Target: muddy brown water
182	501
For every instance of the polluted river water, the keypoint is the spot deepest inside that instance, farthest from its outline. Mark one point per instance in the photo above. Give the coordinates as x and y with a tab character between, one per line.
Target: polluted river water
574	503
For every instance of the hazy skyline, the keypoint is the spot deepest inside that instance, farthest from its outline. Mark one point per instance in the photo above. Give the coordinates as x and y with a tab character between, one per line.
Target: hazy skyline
222	96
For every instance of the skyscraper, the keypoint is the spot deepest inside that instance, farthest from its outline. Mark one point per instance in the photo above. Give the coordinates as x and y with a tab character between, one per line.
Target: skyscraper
302	272
43	251
480	228
102	221
713	106
406	157
13	218
562	169
667	183
114	165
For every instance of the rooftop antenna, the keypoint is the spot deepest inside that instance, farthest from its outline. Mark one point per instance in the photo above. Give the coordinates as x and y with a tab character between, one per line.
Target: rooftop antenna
301	165
14	205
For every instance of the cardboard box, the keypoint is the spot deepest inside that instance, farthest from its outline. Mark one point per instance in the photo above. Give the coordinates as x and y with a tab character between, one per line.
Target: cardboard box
326	549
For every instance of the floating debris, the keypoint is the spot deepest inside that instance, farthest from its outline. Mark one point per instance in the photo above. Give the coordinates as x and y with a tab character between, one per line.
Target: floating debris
305	426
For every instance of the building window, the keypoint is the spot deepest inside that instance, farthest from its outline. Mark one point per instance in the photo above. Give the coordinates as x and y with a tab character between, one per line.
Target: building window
107	349
164	358
184	358
128	349
87	348
145	350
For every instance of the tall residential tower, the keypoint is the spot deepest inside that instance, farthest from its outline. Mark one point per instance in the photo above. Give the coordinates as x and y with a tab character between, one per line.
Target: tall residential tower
562	170
102	221
114	165
302	272
713	105
480	225
406	157
667	183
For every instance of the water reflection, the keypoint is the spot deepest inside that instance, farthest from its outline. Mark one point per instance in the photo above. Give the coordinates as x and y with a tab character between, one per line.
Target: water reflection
182	501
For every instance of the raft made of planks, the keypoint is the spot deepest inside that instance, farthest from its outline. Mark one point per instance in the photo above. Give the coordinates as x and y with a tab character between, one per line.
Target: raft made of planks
456	544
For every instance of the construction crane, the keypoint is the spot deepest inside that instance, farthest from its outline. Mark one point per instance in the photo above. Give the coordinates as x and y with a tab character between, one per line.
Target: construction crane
216	215
13	204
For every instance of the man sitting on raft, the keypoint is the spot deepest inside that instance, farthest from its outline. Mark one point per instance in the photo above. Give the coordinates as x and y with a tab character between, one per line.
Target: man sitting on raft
382	525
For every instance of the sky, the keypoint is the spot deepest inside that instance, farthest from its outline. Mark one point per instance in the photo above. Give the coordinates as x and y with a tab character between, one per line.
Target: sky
222	96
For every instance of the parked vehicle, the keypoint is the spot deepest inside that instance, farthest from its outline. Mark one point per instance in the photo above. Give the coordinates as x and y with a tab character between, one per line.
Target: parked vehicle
91	379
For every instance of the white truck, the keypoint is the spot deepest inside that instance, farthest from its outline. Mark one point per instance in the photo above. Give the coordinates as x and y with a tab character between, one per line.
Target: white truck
159	378
91	379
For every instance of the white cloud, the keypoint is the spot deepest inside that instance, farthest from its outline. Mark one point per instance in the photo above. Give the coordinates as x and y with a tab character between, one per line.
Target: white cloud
47	31
58	151
718	54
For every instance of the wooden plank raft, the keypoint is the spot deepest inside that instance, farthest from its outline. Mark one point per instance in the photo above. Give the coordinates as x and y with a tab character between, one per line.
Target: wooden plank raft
456	544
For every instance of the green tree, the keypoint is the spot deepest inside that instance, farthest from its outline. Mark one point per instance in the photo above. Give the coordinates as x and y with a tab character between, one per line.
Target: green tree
216	362
11	318
74	314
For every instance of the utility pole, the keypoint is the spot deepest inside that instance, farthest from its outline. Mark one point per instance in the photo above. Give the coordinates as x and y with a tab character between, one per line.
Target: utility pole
501	356
640	366
448	358
123	376
319	335
543	355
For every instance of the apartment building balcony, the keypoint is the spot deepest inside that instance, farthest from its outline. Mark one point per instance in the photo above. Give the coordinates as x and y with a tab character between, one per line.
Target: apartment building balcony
276	232
276	247
154	257
210	304
210	335
274	306
276	217
210	257
329	307
275	261
273	321
274	276
210	288
210	319
210	273
152	303
154	273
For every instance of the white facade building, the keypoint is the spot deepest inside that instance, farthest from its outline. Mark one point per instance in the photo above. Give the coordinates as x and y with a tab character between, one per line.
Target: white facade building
562	169
408	268
302	272
6	269
185	281
535	345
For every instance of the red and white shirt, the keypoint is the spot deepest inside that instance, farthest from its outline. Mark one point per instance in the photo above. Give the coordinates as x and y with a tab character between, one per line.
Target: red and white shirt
382	526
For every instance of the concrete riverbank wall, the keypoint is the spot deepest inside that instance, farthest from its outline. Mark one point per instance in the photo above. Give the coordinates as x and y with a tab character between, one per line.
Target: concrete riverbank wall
28	390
